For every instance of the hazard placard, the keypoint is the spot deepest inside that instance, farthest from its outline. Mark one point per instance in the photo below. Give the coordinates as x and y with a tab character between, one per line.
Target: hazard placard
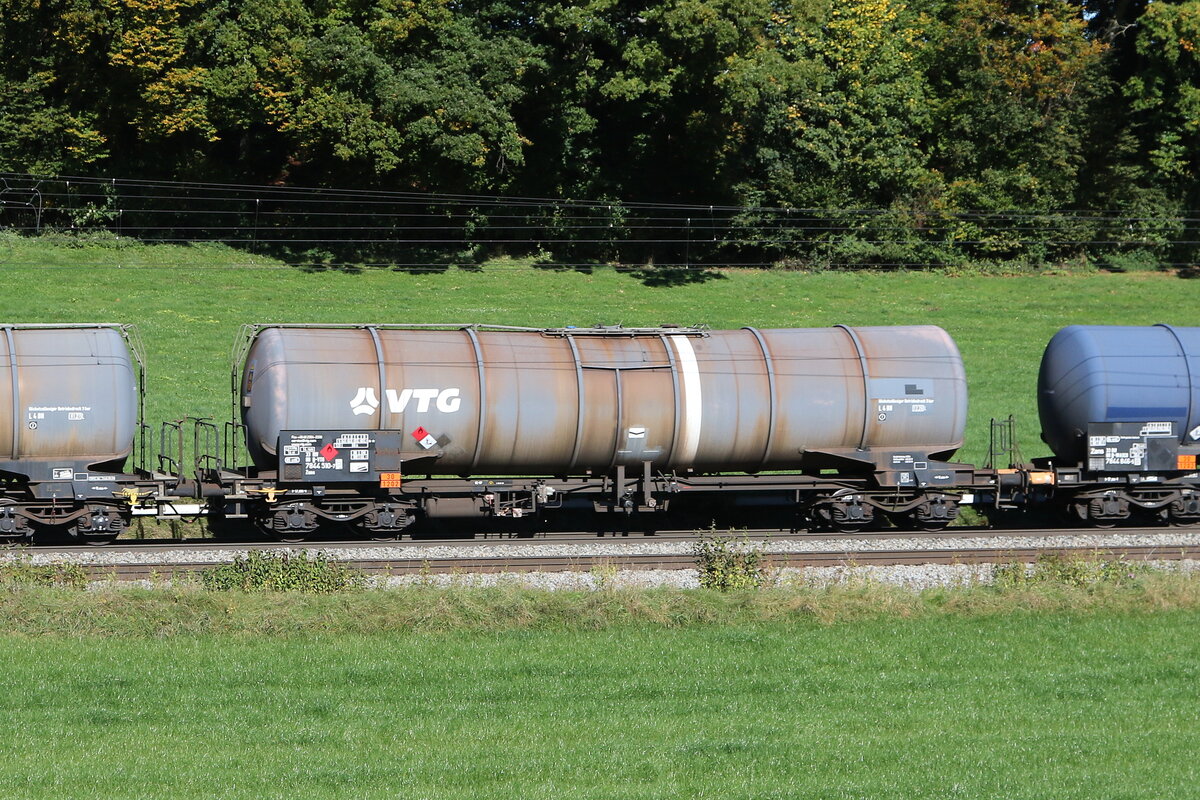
424	437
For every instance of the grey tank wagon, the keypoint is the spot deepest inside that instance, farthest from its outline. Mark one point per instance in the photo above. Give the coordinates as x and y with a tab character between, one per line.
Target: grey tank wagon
351	424
70	416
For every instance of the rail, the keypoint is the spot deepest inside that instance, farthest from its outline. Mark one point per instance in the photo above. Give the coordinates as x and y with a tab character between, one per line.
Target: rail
676	561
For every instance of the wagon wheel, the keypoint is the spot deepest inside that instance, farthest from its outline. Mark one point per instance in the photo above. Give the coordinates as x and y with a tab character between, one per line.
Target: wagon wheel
291	524
14	528
934	515
98	526
1184	513
1083	515
845	517
386	523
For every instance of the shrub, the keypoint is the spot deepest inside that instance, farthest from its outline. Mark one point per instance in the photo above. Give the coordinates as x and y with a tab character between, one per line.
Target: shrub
260	571
1141	260
727	563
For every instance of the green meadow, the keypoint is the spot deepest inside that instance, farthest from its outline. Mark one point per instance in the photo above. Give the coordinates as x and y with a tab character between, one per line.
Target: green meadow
1054	692
1013	706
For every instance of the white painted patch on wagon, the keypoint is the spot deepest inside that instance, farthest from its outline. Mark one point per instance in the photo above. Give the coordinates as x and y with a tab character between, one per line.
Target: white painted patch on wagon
689	370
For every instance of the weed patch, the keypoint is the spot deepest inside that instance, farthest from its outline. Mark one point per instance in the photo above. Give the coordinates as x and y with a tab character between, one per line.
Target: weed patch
23	572
728	563
259	571
1076	573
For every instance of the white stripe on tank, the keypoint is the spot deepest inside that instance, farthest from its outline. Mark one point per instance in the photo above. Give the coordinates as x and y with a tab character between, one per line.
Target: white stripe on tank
690	419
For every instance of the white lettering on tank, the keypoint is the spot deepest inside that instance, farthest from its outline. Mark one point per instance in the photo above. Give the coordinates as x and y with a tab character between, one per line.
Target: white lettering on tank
397	402
446	400
424	397
449	401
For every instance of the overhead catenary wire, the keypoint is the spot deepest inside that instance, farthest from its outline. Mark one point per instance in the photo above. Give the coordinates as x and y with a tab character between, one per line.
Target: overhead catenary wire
366	229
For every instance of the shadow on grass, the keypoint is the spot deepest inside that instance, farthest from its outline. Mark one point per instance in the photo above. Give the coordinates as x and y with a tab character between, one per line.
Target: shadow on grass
355	260
553	265
649	275
314	267
360	257
673	276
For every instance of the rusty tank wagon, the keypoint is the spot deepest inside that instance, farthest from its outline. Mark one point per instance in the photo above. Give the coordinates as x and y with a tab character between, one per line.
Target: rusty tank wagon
375	426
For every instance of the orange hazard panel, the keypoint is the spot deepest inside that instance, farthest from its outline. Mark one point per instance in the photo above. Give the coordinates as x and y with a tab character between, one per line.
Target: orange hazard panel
1186	462
389	480
1040	478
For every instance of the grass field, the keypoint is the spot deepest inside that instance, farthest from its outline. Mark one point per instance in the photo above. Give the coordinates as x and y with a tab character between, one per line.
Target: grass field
1042	706
190	302
1075	694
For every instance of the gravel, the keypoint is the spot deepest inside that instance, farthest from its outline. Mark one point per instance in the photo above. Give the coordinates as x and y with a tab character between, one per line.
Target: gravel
915	577
911	576
521	549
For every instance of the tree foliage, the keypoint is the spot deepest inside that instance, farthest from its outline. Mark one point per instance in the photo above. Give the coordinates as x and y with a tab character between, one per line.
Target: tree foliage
923	108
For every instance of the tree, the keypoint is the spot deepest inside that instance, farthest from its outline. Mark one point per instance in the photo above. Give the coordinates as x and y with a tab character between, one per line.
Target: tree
854	109
1165	94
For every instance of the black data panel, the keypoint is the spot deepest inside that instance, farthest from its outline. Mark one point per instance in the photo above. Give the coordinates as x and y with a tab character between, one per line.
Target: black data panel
1132	446
328	457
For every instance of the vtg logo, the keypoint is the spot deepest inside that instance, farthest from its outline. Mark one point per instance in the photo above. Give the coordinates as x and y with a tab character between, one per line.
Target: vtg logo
445	400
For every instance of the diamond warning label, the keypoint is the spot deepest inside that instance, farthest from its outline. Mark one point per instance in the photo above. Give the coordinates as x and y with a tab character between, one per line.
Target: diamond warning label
329	452
424	437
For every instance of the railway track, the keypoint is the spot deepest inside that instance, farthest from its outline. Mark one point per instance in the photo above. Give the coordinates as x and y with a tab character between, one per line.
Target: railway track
506	563
129	560
501	540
